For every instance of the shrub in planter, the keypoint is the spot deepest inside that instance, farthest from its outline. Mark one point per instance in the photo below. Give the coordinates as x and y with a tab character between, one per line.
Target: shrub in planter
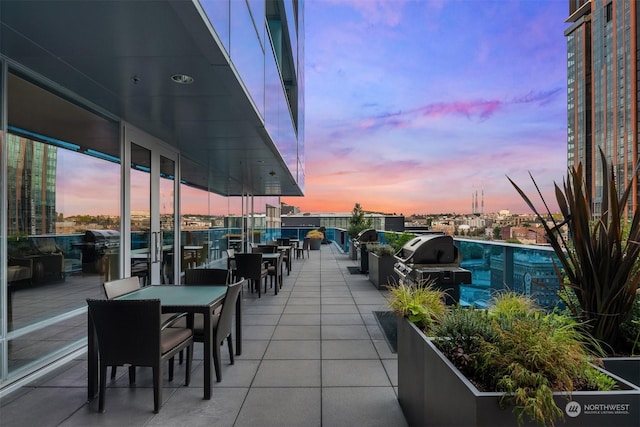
514	351
316	237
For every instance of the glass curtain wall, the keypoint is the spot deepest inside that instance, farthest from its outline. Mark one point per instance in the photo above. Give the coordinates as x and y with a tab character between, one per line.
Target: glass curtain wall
62	221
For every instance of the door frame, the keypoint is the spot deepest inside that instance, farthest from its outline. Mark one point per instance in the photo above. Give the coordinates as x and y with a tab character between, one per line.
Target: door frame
157	148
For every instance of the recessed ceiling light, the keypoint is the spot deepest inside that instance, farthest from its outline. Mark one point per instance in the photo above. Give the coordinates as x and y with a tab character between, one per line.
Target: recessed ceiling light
182	79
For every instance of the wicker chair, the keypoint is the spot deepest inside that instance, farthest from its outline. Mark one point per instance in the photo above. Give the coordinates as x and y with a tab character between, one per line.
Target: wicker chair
114	289
222	325
130	333
206	276
250	267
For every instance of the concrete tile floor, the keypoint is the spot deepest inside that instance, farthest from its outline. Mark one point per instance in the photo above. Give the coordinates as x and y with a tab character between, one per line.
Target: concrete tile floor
313	355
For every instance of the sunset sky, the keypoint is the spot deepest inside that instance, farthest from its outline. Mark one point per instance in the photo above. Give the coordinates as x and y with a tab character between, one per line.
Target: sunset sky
413	106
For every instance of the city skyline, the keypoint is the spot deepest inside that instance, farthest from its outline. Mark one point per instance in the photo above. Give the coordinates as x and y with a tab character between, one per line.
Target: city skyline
412	107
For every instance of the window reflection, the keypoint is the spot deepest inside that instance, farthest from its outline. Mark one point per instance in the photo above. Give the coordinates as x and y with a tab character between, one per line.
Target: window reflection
63	184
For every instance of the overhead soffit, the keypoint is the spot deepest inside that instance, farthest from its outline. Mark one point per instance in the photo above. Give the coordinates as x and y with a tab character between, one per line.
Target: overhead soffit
120	55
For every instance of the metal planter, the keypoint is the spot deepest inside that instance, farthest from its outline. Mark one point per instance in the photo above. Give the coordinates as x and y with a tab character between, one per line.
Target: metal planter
432	392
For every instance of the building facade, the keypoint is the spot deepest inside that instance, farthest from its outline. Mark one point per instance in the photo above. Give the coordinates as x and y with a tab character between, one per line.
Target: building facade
126	127
602	92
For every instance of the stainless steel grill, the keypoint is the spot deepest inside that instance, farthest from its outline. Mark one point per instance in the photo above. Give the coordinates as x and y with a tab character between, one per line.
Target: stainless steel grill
96	245
435	258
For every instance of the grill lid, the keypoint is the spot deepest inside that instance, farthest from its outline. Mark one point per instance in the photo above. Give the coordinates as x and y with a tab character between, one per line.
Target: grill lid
429	249
107	238
368	235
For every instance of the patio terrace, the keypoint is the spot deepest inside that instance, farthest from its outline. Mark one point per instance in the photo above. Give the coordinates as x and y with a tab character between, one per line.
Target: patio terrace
313	355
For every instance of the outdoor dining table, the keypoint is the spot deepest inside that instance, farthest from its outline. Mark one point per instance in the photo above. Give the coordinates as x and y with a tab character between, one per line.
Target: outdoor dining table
174	299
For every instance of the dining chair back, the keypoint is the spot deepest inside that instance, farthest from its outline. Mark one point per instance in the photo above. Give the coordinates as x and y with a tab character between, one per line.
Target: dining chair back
306	244
250	267
284	241
231	262
115	288
223	325
275	272
265	249
206	276
129	332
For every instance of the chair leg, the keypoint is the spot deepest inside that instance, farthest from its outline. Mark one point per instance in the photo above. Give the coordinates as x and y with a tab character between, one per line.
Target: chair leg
102	387
230	345
171	369
113	372
216	360
187	375
157	387
132	375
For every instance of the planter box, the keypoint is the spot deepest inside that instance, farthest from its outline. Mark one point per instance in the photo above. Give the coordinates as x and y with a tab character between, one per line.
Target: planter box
381	271
627	368
314	244
432	392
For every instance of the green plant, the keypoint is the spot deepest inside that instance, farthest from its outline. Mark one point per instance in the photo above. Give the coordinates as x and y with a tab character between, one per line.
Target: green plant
422	305
381	249
398	240
599	262
516	348
357	222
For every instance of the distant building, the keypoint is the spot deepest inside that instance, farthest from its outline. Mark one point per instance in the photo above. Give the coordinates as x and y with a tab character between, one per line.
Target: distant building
341	220
31	183
602	92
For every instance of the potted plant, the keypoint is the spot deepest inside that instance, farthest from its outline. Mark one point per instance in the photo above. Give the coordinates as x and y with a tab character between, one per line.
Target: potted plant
598	266
512	364
316	237
357	223
398	240
381	261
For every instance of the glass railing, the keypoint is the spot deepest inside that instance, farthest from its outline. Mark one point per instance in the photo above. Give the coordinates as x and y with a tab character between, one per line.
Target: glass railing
494	266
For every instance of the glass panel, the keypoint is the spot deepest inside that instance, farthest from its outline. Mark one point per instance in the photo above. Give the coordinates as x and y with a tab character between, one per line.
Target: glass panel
247	53
218	13
63	218
140	211
35	346
167	216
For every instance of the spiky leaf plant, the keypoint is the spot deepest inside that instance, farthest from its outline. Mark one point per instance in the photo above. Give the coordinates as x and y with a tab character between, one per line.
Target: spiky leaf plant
597	263
422	305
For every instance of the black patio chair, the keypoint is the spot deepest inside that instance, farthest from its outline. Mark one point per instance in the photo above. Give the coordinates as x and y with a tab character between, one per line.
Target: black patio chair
222	325
250	267
206	276
130	332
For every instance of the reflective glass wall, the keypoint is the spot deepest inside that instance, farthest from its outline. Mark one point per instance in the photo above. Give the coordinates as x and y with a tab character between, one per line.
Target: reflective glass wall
263	40
63	201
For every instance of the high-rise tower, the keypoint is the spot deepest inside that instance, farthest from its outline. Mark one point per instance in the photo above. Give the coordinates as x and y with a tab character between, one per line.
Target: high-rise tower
602	90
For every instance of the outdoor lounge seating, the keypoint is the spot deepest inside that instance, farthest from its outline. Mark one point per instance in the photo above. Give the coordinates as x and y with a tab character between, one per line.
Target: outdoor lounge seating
130	333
